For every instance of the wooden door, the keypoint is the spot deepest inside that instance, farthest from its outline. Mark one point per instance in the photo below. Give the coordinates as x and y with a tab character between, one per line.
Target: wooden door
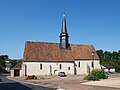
16	72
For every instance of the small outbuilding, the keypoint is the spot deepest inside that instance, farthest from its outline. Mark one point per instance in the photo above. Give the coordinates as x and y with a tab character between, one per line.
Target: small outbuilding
16	70
108	68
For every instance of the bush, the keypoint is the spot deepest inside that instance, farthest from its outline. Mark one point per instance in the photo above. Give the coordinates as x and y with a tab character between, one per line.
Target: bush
96	74
31	77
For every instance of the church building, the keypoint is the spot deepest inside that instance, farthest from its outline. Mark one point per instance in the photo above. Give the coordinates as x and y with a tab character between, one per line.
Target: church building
47	58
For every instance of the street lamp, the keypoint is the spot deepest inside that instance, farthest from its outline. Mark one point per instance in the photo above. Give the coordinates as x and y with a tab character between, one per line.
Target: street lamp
93	59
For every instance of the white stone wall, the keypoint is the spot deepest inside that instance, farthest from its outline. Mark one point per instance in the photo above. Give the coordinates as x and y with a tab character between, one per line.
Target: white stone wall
52	68
21	73
48	68
83	65
12	73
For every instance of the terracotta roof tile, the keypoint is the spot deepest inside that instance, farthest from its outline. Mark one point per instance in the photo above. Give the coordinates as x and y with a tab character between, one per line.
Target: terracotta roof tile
17	66
44	51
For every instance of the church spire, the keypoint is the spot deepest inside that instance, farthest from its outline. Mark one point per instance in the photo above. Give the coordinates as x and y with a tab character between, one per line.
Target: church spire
64	28
64	35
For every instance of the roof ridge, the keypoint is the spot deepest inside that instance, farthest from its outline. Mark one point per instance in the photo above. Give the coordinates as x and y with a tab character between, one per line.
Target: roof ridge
41	42
58	43
82	44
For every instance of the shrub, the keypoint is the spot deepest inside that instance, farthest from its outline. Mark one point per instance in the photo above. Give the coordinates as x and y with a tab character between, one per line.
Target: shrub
31	77
96	74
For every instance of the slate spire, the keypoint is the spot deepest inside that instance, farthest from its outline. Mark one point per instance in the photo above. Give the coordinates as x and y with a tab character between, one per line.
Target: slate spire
64	35
64	28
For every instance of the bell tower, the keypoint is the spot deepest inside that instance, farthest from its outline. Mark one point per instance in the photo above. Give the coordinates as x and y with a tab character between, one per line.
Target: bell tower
64	35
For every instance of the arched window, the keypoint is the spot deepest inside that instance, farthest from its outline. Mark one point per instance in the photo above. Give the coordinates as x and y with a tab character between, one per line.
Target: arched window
92	64
79	64
60	66
40	66
68	68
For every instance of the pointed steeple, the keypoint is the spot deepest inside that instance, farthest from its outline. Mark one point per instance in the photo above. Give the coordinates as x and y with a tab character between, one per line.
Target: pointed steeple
64	35
64	28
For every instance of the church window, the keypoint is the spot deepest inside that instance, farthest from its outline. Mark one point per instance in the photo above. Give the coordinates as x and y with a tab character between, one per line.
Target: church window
92	64
60	66
68	68
40	66
78	64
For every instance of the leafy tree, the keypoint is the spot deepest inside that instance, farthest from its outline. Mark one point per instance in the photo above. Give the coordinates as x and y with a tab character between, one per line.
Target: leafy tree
3	58
112	58
14	62
100	54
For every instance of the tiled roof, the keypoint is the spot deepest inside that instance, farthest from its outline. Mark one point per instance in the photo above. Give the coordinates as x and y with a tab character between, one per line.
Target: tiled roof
108	66
44	51
17	66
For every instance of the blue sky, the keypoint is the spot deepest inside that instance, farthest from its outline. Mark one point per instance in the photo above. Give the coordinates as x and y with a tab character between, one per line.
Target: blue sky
95	22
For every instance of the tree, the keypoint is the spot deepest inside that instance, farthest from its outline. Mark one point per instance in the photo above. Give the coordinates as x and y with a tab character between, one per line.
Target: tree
3	58
13	62
100	54
112	58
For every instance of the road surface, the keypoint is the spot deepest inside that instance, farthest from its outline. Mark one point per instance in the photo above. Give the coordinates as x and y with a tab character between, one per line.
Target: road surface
7	84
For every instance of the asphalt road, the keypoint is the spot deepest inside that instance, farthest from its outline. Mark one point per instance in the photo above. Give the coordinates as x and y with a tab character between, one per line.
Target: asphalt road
7	84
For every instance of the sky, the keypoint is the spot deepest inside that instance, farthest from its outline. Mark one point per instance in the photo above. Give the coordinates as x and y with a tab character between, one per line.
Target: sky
91	22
